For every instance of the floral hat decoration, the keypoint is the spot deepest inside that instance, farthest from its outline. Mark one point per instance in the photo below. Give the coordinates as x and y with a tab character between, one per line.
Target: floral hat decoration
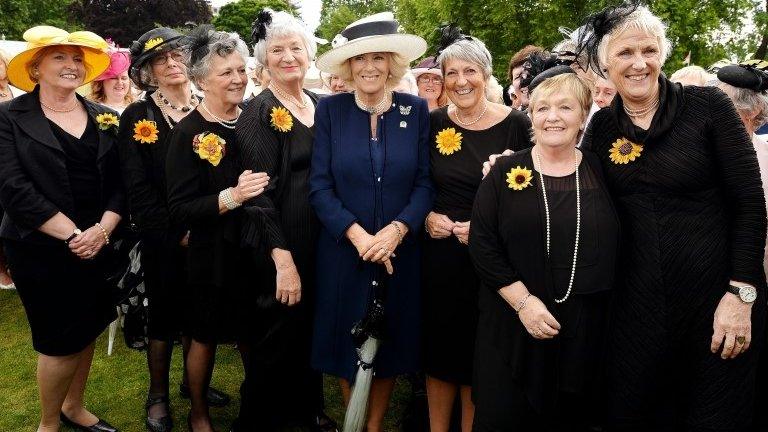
150	44
94	53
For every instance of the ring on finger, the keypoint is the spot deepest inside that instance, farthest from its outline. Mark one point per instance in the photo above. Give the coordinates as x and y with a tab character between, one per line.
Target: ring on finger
741	340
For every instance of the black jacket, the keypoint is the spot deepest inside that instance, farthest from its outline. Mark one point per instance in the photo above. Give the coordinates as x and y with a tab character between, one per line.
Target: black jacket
34	184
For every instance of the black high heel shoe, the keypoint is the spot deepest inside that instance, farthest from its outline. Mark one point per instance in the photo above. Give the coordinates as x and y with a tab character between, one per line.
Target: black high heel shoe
163	424
100	426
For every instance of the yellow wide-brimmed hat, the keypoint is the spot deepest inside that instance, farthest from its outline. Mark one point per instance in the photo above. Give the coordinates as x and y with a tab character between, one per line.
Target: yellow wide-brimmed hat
94	53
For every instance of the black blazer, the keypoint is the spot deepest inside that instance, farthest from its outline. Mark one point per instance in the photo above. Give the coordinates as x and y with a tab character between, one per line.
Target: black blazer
34	184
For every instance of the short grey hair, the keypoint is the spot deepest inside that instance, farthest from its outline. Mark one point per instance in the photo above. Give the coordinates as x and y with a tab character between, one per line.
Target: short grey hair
220	44
746	101
469	50
284	24
641	19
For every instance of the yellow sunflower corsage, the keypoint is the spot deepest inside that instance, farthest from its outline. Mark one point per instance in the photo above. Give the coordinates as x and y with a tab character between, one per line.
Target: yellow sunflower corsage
624	151
281	119
107	121
210	147
448	141
519	178
145	131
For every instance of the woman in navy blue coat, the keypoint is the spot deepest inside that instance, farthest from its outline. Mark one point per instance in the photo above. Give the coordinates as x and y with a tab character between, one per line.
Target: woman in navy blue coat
370	187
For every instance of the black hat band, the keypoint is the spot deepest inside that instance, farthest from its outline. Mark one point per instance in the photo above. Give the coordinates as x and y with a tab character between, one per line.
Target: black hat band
375	28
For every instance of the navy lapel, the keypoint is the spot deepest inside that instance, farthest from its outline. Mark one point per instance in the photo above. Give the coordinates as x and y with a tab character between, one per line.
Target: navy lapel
106	137
32	120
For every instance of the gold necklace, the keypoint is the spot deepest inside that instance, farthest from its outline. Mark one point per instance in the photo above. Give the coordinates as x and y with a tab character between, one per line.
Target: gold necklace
291	99
65	110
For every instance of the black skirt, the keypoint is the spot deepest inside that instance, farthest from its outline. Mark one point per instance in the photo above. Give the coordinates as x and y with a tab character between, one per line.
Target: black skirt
67	299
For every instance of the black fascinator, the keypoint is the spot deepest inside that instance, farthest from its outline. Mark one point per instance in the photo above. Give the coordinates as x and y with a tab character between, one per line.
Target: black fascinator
751	74
596	27
539	66
197	41
259	26
449	34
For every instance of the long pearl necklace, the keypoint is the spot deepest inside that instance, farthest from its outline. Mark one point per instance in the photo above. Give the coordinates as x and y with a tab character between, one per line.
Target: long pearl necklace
229	124
374	109
291	99
578	219
470	123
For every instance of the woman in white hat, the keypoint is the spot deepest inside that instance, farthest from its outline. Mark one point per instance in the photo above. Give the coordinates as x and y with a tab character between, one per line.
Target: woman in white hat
429	79
370	188
62	196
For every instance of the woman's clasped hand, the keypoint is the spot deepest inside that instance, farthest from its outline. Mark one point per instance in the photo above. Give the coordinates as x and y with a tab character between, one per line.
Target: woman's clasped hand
378	248
440	226
249	185
88	244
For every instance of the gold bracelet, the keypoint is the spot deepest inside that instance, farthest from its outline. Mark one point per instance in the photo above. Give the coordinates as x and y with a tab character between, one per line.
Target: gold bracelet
104	233
399	232
521	304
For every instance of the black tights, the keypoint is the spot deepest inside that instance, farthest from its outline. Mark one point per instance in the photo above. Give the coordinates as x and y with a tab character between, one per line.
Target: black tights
159	353
199	366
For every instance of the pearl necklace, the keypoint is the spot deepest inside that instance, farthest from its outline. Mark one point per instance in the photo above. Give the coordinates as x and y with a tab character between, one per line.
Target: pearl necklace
65	110
229	124
470	123
642	111
578	219
291	99
374	109
185	108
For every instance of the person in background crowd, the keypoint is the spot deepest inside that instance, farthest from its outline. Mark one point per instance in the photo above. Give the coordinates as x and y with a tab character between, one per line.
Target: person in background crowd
603	92
407	84
335	84
466	133
113	87
690	299
206	190
429	78
515	70
63	199
279	367
691	75
6	94
260	78
371	196
544	303
145	129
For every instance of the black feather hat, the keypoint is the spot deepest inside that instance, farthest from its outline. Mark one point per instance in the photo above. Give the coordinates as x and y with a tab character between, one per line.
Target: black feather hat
751	74
596	27
260	24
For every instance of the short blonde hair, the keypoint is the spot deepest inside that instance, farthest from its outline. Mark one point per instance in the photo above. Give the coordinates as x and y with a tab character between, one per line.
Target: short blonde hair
563	83
398	66
641	19
692	73
34	62
4	57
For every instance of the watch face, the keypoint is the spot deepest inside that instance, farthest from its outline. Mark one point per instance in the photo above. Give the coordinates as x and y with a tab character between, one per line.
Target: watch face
748	294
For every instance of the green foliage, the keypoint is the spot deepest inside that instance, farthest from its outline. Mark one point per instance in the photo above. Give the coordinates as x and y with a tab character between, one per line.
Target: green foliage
16	16
238	16
337	14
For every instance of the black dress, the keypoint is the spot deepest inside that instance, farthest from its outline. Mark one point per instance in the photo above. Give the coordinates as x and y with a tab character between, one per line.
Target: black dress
450	283
221	273
521	383
67	299
162	257
279	368
693	217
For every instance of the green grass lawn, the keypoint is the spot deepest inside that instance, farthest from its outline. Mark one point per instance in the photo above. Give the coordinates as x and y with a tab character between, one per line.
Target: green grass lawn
117	386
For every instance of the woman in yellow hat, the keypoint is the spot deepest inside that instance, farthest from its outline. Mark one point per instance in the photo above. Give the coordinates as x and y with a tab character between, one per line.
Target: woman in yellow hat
62	196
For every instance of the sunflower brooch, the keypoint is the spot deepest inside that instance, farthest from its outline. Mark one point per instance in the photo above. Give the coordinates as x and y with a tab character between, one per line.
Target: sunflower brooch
448	141
145	131
210	147
107	121
624	151
519	178
281	119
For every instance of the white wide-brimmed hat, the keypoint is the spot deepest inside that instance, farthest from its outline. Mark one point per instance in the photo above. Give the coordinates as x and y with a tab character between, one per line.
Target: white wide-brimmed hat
375	33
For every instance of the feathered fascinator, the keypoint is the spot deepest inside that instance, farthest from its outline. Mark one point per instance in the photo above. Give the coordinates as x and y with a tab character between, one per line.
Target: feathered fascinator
596	27
751	74
537	63
198	40
259	26
449	34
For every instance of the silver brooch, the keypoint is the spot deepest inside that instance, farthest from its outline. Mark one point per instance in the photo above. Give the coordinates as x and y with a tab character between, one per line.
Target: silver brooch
403	123
405	110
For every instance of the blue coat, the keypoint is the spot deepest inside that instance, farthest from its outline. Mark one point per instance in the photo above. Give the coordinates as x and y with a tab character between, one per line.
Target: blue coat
344	190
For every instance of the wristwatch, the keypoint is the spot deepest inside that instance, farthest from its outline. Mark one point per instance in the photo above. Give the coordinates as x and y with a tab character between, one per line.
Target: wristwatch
76	232
747	293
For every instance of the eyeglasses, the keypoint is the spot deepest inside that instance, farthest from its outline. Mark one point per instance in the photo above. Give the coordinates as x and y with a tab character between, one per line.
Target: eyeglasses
426	80
162	59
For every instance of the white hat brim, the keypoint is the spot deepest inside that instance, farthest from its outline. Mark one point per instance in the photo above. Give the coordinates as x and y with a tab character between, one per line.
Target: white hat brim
419	71
411	47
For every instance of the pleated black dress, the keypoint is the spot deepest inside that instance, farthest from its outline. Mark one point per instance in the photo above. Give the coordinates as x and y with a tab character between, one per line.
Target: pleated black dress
450	283
693	216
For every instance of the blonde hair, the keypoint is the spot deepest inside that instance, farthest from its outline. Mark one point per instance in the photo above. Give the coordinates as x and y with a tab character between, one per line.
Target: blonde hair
4	57
494	92
563	83
398	66
692	73
34	62
641	19
99	95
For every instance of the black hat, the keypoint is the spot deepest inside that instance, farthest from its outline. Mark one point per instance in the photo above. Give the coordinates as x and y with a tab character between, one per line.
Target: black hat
151	43
751	74
549	73
596	27
543	65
